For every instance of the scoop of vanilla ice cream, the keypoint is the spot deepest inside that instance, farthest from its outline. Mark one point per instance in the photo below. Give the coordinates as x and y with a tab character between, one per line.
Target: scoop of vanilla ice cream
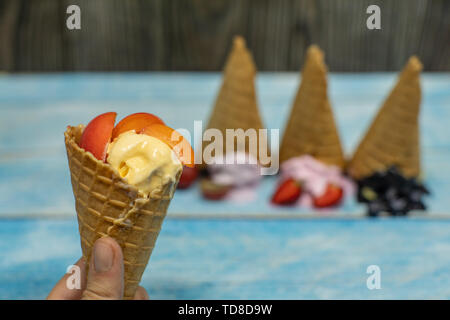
143	161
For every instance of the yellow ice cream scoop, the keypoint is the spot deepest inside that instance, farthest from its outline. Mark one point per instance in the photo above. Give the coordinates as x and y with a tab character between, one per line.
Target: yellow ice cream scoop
143	161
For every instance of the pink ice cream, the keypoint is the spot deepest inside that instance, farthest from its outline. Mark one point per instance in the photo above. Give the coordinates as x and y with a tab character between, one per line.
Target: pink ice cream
314	176
239	170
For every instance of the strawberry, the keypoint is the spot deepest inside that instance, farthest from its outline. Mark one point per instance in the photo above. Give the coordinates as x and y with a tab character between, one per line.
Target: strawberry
287	193
187	177
331	197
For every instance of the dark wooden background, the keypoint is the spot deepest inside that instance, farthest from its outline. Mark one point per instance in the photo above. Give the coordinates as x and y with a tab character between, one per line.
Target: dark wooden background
132	35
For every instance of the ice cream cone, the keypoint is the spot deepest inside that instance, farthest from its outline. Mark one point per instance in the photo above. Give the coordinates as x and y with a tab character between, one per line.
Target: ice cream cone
311	128
393	137
108	206
236	104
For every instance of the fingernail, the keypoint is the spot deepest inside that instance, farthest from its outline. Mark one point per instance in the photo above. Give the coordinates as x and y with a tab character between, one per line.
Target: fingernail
103	256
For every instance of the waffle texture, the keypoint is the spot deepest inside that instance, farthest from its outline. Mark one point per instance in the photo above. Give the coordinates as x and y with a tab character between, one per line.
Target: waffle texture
311	128
107	205
393	137
236	104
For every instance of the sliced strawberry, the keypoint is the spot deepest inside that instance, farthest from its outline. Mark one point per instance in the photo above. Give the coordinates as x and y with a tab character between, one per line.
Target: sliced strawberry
212	191
97	134
173	139
288	192
332	196
135	121
187	177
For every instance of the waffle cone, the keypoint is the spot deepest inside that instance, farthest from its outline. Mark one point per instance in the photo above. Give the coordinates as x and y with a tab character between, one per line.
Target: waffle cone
311	128
236	104
393	137
107	206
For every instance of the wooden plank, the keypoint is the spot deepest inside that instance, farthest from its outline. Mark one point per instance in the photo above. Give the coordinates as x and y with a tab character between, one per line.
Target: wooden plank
196	35
9	16
116	35
38	41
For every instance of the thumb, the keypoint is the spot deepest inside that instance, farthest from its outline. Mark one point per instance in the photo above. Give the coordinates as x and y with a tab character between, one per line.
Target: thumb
105	279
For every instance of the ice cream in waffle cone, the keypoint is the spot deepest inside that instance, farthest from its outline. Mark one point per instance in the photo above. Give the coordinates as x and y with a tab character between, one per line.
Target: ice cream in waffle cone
393	137
107	205
236	104
311	129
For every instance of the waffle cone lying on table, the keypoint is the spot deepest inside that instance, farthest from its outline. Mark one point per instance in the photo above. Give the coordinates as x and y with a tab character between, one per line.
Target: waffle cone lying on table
236	104
236	108
311	154
123	180
386	163
393	137
311	128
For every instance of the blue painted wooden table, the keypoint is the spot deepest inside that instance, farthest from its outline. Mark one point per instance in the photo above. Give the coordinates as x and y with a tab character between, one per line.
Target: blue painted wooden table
253	259
248	252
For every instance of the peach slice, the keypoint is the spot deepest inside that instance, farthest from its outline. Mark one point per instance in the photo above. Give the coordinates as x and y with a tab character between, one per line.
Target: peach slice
97	134
174	140
135	121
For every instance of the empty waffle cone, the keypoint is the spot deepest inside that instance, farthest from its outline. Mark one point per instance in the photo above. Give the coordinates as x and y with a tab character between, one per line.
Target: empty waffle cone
236	104
108	206
311	128
393	137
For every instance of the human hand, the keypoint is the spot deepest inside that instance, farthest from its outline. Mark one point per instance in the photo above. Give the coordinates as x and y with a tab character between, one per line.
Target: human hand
105	280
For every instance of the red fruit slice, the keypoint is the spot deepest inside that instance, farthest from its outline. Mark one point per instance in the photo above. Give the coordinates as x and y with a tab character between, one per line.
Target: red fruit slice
212	191
288	192
135	121
97	134
332	196
173	139
187	177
